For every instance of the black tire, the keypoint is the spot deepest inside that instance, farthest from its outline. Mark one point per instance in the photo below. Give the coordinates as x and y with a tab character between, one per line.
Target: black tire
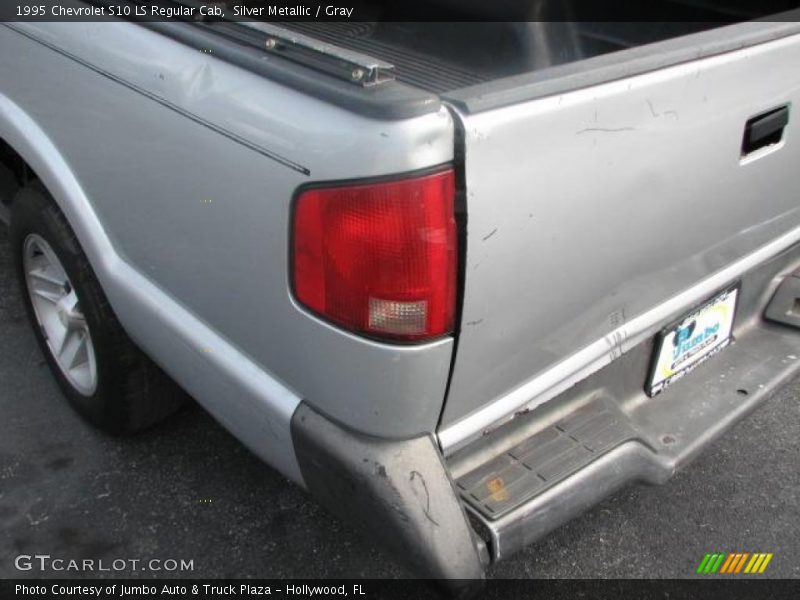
132	392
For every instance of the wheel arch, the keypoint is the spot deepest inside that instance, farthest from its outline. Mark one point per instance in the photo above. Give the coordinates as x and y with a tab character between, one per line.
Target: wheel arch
38	158
158	323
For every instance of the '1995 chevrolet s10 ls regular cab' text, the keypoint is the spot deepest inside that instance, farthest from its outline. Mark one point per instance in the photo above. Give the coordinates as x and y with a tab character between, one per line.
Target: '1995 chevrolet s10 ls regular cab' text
458	291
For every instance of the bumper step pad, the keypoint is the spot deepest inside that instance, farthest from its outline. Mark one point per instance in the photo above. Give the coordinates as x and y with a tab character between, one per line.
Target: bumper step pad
539	462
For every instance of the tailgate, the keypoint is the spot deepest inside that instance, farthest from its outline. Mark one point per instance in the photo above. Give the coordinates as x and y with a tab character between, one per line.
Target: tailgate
598	215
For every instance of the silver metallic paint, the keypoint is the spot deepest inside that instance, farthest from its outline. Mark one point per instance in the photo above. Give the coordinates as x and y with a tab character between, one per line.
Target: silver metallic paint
165	205
596	216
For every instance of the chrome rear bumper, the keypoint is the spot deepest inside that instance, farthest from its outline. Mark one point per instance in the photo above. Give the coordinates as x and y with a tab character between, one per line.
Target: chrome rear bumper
546	466
448	517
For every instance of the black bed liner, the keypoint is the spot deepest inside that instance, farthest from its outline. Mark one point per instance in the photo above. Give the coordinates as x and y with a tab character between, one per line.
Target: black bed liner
442	57
422	70
479	65
445	57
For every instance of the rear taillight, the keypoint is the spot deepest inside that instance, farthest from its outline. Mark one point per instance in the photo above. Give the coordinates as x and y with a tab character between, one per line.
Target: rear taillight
379	258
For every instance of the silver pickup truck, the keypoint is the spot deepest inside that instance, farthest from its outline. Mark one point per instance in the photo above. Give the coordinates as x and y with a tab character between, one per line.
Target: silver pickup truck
458	281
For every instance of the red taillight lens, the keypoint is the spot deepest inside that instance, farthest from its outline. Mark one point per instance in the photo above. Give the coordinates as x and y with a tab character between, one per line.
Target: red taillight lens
379	258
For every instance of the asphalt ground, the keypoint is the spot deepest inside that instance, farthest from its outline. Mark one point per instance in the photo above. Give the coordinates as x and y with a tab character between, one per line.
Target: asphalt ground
188	490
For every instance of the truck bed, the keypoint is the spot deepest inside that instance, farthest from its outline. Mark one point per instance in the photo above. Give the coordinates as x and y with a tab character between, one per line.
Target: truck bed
443	57
440	58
